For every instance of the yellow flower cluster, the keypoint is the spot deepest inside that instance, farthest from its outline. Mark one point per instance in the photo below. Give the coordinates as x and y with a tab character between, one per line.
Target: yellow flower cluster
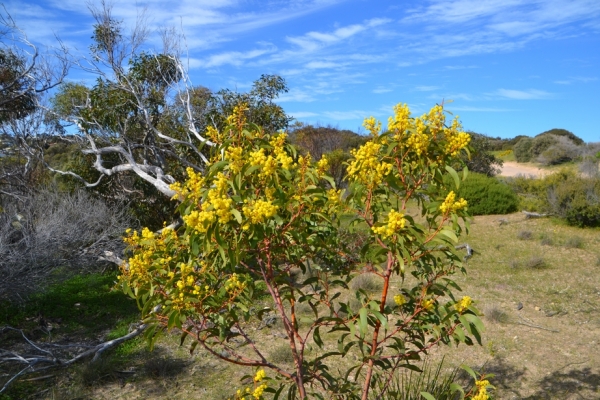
457	140
451	205
259	210
463	304
436	117
428	304
372	125
334	197
192	187
400	122
400	300
217	207
213	134
238	117
284	159
322	165
258	390
267	164
395	222
233	284
235	156
366	167
481	390
260	375
200	220
419	140
218	199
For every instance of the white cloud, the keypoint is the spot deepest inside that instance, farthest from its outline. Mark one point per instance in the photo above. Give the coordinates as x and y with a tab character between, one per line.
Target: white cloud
531	94
426	88
380	90
478	109
346	115
302	114
296	95
576	79
235	58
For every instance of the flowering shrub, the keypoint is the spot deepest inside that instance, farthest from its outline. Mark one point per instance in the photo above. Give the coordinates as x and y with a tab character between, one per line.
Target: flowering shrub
261	212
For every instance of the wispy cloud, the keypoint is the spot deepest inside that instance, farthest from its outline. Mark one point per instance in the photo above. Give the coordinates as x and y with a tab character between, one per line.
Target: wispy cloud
381	90
426	88
478	109
530	94
235	58
346	115
576	79
303	114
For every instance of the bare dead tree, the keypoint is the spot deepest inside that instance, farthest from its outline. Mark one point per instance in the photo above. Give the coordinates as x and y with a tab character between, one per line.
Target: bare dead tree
141	111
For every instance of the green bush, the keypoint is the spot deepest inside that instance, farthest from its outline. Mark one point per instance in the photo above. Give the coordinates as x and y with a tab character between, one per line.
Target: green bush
522	149
539	144
564	194
564	133
486	195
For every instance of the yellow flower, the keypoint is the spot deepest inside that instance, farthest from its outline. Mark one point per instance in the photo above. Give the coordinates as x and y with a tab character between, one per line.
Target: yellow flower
428	304
372	125
400	122
400	300
367	167
395	222
463	304
260	375
450	205
323	165
257	394
235	156
259	210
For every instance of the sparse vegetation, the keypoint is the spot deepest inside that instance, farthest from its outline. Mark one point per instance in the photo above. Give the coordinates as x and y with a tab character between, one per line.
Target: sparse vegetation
575	242
525	235
495	314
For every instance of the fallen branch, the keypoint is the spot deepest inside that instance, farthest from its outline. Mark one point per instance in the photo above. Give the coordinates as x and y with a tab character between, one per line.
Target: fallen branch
534	215
43	358
523	322
469	249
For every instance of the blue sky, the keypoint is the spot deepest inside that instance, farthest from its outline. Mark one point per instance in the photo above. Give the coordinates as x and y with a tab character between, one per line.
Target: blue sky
511	67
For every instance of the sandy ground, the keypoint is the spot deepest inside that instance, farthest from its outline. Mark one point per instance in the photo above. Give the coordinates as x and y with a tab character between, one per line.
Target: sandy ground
511	168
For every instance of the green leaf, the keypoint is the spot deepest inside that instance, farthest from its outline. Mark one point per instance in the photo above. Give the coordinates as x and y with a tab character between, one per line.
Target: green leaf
193	346
449	234
363	321
173	319
381	318
427	396
183	336
237	215
454	176
469	371
317	338
455	387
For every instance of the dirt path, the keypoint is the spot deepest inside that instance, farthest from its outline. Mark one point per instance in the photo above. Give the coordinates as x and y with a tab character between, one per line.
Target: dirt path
511	168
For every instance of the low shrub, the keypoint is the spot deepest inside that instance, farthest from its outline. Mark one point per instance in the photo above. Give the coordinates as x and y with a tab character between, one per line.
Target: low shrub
574	242
563	150
495	314
367	282
522	149
486	195
564	194
535	263
525	235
